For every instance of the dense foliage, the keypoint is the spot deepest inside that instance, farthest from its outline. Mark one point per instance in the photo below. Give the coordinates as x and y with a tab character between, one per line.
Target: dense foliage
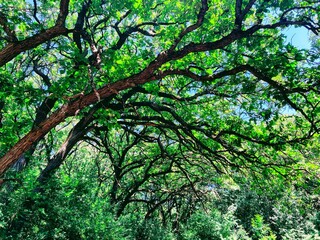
159	120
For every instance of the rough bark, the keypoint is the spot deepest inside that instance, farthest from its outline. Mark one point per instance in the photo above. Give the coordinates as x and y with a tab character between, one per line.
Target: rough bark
77	133
73	107
150	73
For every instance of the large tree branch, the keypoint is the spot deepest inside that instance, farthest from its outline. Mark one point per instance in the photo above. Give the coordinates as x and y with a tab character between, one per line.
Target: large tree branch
150	73
64	11
79	24
73	107
14	49
77	133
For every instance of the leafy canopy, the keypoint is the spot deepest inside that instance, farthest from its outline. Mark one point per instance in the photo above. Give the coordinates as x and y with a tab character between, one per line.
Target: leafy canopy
159	100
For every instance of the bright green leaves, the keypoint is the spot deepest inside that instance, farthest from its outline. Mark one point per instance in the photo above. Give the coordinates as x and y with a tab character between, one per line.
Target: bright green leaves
108	118
124	63
20	20
261	230
137	4
16	121
229	105
18	97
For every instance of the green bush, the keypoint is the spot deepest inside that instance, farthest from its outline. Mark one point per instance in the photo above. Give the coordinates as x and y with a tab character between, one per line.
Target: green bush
260	230
213	225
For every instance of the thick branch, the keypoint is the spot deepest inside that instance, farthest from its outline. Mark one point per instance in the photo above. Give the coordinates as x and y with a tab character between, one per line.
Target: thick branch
14	49
75	135
73	107
64	10
79	24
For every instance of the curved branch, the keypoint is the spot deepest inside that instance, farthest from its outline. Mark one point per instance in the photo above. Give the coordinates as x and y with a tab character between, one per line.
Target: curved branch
150	73
14	49
200	18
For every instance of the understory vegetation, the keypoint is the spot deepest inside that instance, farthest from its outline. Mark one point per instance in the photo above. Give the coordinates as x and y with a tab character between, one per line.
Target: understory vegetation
77	204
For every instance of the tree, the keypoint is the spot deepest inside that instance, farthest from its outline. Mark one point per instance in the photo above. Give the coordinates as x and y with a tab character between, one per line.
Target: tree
175	96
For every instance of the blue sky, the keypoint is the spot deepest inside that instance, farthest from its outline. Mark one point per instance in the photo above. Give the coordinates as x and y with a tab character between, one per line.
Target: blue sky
298	37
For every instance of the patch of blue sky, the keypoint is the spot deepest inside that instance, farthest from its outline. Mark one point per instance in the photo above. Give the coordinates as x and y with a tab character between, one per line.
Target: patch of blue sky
298	37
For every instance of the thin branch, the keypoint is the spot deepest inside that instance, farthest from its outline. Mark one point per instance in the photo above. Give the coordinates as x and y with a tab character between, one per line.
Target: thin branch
35	10
200	18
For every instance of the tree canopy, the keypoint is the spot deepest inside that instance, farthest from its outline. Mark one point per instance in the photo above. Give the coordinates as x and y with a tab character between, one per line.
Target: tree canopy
161	101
